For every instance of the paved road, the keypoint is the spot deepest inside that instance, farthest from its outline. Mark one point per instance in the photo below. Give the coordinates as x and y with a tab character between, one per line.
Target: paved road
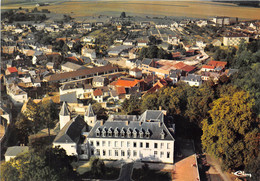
126	172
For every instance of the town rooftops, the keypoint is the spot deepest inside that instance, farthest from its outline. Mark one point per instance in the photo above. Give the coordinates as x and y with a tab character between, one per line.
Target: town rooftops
192	77
126	83
73	66
15	150
12	69
69	86
80	73
71	132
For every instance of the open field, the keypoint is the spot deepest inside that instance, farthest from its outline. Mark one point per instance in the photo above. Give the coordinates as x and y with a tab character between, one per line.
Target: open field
198	9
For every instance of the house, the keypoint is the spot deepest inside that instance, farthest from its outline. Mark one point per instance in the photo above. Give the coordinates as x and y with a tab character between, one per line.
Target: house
218	65
133	53
131	63
221	20
216	42
5	114
98	95
99	81
175	75
135	72
142	43
81	74
192	79
144	24
73	87
70	67
159	84
11	71
173	39
207	68
200	44
115	51
50	65
70	98
128	42
91	53
70	136
100	62
17	95
234	39
14	151
124	137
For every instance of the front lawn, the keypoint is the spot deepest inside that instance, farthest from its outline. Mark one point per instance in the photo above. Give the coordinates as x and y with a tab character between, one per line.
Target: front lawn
146	174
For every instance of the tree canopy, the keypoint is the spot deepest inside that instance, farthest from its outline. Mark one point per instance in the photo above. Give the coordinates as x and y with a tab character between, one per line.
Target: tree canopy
230	131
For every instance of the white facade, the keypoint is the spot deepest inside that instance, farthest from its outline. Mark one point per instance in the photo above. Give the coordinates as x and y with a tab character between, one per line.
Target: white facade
17	95
91	53
234	41
139	149
70	148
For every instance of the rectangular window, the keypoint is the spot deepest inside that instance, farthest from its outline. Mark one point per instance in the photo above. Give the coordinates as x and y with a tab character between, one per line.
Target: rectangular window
134	144
168	154
147	145
122	144
98	152
122	153
155	153
103	143
109	152
116	143
128	153
91	143
109	143
141	144
116	152
168	145
155	145
134	153
162	154
128	144
162	145
104	152
97	143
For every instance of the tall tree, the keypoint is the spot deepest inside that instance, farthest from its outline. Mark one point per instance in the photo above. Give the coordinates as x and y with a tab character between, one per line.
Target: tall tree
230	131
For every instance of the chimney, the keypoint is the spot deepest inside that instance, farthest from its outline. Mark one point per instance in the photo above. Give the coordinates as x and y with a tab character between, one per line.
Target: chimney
101	123
160	108
126	123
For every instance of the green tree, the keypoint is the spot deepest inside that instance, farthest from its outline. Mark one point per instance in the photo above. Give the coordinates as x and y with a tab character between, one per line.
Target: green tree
230	131
99	111
97	168
149	102
24	128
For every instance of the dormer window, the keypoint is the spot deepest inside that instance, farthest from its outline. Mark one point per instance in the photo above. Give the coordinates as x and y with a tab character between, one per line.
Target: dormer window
98	132
128	133
122	132
110	132
135	133
116	132
147	134
104	133
141	133
162	135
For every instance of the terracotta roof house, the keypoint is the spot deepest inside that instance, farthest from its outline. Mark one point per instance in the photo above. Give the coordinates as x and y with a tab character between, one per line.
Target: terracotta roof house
11	70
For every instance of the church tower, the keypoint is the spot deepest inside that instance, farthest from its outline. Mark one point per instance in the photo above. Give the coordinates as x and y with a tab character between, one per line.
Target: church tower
64	115
89	117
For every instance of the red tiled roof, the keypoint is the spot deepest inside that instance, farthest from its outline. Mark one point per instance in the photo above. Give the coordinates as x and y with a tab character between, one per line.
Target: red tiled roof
179	65
217	63
120	90
126	83
188	68
98	92
208	67
12	69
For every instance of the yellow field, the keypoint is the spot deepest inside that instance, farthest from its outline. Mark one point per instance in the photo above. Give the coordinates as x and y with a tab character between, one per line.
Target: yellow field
176	8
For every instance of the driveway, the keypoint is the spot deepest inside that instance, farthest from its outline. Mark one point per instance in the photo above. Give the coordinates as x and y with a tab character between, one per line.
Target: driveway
126	172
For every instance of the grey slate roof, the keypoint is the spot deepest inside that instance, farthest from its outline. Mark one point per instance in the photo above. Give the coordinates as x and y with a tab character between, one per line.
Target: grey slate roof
152	116
98	79
153	128
90	112
122	118
71	86
192	77
147	61
64	111
15	150
71	132
69	98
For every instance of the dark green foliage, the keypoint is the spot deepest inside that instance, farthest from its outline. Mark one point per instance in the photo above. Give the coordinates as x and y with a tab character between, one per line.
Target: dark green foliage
145	174
122	15
153	52
50	164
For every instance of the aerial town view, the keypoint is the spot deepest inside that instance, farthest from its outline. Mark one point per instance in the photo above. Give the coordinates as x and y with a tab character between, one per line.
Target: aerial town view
130	90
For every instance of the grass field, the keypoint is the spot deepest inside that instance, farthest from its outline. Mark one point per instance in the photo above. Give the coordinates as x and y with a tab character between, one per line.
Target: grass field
198	9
